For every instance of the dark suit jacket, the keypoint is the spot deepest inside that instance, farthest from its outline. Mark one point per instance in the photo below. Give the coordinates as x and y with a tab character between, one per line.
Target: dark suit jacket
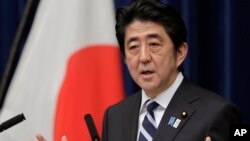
208	114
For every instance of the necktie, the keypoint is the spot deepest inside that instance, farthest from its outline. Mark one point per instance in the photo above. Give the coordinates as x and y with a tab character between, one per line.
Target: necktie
148	127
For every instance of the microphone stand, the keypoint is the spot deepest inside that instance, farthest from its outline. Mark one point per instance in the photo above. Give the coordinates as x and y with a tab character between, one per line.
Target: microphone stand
91	127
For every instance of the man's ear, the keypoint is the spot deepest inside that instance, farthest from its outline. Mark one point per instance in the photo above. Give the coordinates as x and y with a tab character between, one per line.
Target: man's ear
181	53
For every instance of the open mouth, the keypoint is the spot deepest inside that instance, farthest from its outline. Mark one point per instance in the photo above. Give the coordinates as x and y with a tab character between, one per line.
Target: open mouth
146	72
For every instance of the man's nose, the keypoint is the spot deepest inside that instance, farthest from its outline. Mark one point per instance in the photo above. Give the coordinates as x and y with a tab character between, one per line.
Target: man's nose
145	56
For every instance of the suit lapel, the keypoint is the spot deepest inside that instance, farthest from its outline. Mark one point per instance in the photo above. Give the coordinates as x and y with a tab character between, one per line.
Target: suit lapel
130	118
180	103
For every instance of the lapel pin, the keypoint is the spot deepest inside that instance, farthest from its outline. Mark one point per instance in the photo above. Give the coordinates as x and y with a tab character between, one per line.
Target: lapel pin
171	121
184	114
174	122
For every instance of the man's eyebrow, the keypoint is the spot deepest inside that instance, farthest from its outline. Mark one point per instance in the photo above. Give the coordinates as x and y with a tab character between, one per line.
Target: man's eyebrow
154	35
149	36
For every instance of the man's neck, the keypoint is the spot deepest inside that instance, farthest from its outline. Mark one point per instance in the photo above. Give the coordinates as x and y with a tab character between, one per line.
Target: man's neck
155	93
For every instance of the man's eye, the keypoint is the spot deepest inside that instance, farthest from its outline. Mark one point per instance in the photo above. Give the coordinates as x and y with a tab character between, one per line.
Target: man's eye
132	47
154	44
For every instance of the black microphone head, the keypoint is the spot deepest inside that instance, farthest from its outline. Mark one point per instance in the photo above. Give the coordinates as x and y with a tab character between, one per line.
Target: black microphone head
11	122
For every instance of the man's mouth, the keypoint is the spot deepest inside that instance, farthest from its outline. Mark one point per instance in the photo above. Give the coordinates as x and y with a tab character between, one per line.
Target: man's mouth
147	72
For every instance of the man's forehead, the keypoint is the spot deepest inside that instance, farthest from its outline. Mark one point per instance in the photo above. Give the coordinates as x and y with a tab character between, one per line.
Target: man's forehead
144	28
142	25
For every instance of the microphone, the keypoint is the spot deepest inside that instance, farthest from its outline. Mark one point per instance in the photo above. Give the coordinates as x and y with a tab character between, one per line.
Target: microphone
91	127
11	122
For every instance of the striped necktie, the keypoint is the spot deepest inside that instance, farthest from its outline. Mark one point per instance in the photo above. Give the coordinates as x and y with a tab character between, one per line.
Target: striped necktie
148	127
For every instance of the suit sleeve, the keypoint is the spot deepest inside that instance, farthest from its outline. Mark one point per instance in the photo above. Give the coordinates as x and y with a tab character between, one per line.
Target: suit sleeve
219	129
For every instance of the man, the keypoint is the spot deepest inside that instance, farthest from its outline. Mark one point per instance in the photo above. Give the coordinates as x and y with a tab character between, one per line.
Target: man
152	38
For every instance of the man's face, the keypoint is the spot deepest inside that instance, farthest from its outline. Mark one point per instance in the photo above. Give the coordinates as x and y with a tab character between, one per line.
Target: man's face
150	56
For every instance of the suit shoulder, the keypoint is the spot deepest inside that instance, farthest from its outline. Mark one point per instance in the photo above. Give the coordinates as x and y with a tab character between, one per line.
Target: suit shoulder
205	94
127	102
210	101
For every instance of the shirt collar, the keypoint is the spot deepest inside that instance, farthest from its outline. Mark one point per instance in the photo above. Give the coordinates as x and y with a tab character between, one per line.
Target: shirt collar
164	98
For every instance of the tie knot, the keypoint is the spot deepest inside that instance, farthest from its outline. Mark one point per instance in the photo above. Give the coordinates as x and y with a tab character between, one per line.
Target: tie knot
151	105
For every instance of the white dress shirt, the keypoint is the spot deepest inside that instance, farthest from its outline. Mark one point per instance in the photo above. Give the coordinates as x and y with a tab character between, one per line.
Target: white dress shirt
162	99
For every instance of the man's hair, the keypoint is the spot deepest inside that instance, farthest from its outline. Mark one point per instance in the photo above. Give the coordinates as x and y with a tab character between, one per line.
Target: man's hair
154	11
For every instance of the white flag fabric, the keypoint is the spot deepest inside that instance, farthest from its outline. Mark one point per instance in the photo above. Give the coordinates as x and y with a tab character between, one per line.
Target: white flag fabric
70	66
